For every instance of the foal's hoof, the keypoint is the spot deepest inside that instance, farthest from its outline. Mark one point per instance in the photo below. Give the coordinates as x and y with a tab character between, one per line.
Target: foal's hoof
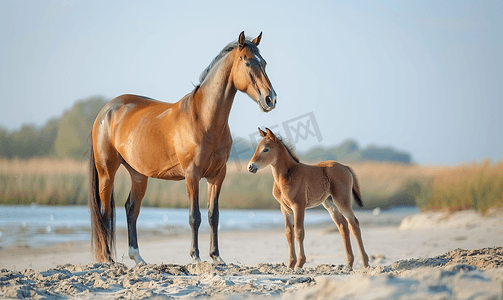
292	263
218	261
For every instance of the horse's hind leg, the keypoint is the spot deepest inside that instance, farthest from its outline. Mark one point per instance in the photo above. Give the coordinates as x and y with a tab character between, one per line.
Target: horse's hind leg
343	203
342	225
104	166
292	257
133	203
354	226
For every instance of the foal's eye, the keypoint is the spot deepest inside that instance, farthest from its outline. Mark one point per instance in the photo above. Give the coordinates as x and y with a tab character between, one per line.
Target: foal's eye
265	150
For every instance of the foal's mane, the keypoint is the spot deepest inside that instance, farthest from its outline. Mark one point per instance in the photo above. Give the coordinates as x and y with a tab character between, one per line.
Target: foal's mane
231	46
289	148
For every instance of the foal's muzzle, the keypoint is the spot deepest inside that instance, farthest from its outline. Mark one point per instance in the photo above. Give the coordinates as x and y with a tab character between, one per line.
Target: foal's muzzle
252	168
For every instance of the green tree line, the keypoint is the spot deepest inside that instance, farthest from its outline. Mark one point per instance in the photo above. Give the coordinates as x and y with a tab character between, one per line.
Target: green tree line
347	152
64	137
69	137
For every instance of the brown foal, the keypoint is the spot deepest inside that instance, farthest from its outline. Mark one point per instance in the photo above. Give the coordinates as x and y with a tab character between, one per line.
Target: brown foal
298	186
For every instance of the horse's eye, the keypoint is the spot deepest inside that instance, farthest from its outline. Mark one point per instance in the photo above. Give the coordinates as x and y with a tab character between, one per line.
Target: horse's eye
265	150
247	64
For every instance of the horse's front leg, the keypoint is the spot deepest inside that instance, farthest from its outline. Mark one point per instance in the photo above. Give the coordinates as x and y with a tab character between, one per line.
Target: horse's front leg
214	186
192	183
290	238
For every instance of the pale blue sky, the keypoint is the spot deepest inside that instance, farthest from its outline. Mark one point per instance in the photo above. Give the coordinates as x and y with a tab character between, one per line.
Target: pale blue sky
422	76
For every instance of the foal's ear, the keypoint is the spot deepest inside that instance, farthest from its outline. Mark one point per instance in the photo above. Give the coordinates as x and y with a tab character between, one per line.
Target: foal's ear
256	40
269	133
242	39
262	133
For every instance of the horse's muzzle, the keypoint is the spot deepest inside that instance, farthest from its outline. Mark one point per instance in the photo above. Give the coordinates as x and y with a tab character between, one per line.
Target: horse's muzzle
252	168
269	102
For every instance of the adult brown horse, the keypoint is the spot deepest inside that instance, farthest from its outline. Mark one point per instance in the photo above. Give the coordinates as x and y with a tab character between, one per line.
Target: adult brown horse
298	186
189	139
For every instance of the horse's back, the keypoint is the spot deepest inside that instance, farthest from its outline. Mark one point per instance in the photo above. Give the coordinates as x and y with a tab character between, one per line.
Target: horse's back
121	115
134	128
133	103
130	98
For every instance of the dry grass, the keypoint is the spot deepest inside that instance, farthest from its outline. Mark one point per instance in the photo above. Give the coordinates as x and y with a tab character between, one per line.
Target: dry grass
36	166
64	182
391	184
469	186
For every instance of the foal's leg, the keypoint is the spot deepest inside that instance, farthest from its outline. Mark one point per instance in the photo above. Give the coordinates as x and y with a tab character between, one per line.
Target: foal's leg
292	257
298	214
342	225
343	203
192	183
133	203
354	226
214	186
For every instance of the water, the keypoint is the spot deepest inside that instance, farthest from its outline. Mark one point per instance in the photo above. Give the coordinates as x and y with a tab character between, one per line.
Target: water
38	226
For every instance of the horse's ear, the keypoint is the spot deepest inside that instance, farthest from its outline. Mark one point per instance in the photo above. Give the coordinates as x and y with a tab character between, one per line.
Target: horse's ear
241	39
262	133
256	40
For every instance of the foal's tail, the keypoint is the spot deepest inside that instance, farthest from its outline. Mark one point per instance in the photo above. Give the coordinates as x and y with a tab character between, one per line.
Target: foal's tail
356	188
102	230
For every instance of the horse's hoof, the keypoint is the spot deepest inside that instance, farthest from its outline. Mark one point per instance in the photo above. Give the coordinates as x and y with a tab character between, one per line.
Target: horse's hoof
218	261
134	254
196	260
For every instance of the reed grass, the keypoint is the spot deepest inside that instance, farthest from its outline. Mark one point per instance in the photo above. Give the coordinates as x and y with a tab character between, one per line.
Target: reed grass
469	186
64	182
386	185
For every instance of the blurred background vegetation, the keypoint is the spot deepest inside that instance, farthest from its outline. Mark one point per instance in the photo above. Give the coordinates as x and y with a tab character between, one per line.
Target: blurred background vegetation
48	166
63	137
69	135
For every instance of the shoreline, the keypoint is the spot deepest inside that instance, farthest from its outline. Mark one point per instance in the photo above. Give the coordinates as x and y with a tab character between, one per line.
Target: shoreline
420	235
39	227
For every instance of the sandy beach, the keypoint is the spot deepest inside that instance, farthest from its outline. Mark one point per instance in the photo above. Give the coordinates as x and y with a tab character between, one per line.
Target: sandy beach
428	256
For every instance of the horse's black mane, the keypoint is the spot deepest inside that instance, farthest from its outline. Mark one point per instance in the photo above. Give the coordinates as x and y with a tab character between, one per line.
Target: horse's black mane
231	46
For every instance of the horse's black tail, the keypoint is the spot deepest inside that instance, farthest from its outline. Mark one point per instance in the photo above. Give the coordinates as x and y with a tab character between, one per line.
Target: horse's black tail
102	230
356	188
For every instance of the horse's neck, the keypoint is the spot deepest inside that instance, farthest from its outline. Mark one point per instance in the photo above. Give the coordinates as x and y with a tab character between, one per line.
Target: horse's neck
284	165
215	96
